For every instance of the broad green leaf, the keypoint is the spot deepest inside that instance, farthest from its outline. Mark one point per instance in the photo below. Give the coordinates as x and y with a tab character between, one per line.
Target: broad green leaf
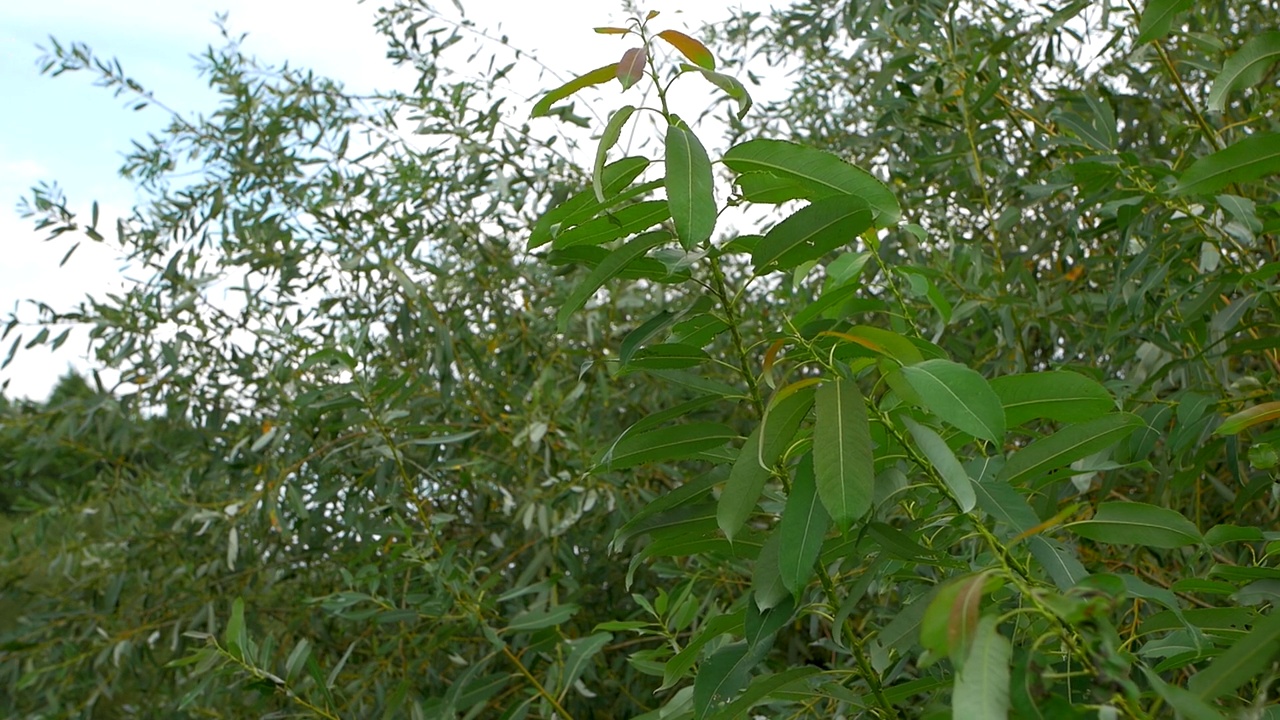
1135	523
759	626
767	589
1066	446
680	663
677	442
581	651
1157	19
762	187
609	138
537	619
689	189
722	677
843	462
1248	66
1248	159
644	518
615	177
822	173
1246	419
802	529
960	397
1242	662
1223	534
669	355
880	341
811	232
761	688
763	448
615	225
729	84
631	67
595	77
697	53
944	461
982	685
1057	395
605	271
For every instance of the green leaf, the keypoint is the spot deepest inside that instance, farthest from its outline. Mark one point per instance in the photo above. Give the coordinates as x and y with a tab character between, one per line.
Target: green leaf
945	462
689	190
843	462
802	529
1242	662
821	173
721	677
595	77
613	226
960	397
1057	395
235	637
697	53
609	138
761	688
812	232
669	355
1157	19
631	67
678	666
1135	523
1188	705
762	187
982	685
582	206
1066	446
605	271
767	588
677	442
581	651
1248	66
538	619
1248	159
729	84
759	626
755	461
1247	418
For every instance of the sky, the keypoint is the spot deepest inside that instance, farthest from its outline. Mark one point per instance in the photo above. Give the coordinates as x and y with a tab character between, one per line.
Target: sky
67	131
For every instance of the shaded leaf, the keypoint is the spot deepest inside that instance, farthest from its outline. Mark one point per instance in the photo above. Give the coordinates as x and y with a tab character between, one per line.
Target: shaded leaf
1057	395
606	270
1066	446
959	396
802	529
1248	159
1135	523
538	619
689	189
677	442
811	232
696	52
608	138
761	688
1246	419
1157	19
583	206
1241	662
843	462
631	67
982	685
1248	66
730	85
822	173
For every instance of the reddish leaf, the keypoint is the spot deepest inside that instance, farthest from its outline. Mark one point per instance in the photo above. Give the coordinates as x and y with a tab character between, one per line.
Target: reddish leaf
697	53
631	66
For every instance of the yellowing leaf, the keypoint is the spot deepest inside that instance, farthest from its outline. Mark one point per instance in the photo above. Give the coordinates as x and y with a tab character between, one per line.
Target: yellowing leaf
612	30
595	77
697	53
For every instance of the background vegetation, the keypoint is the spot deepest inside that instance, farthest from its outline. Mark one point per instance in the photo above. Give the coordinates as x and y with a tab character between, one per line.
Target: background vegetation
422	415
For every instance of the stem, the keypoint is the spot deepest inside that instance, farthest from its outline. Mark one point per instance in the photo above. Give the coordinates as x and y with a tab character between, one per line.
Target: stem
731	317
855	646
537	685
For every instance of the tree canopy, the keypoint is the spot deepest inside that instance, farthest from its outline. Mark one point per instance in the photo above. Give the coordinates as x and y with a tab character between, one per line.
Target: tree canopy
944	385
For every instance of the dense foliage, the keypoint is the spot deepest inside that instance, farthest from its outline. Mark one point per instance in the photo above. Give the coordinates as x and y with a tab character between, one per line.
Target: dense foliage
946	388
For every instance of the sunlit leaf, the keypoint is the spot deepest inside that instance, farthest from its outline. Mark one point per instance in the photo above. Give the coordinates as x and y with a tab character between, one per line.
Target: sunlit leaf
595	77
697	53
1245	419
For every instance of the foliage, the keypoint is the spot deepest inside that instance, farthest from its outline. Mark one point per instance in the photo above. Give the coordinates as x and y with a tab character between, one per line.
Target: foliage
996	435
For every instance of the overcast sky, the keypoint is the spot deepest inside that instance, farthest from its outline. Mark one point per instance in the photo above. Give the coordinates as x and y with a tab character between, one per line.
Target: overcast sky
67	131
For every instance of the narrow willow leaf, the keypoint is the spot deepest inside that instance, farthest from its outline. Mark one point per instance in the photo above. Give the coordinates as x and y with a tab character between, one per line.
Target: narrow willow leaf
1248	66
631	67
1248	159
843	462
677	442
812	232
582	206
722	677
1188	704
608	268
1001	501
680	663
935	449
689	187
614	226
1057	395
609	138
767	589
802	529
697	53
669	355
759	626
235	637
1246	419
761	688
822	173
982	686
960	397
729	84
537	619
763	448
1066	446
761	187
1243	661
612	30
581	651
595	77
1157	19
1135	523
